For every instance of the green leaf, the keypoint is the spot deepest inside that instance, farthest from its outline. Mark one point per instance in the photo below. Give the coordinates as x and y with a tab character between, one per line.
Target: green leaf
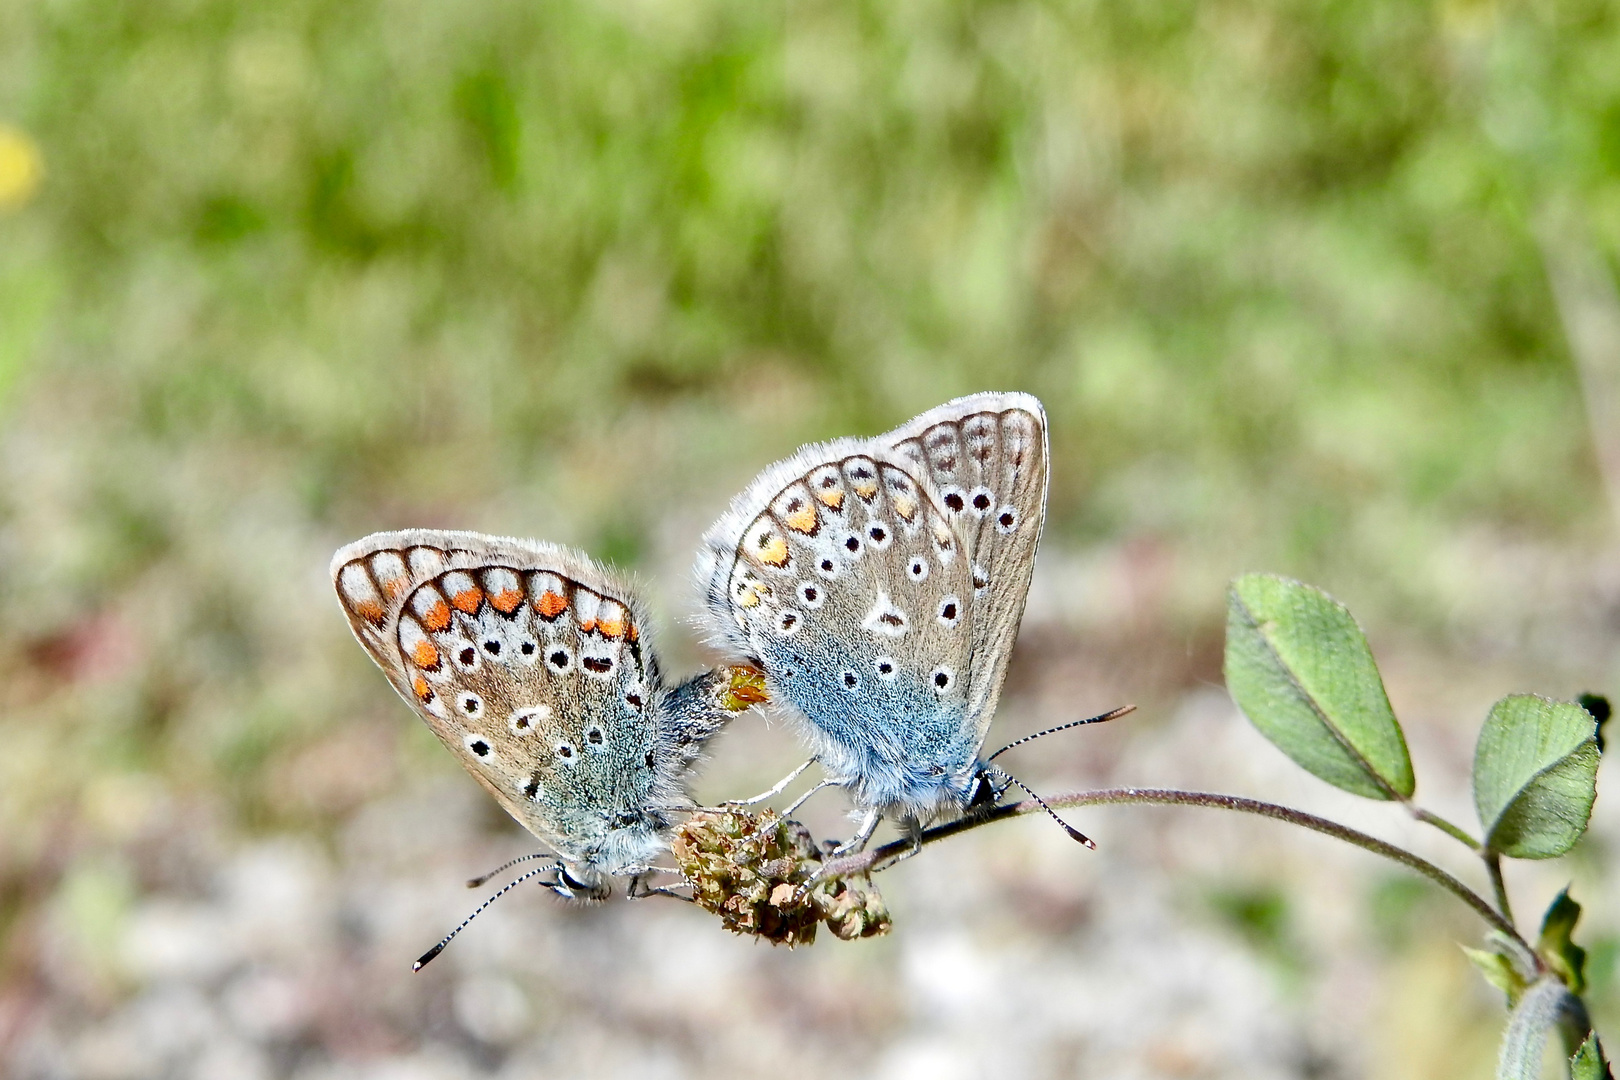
1543	1005
1300	669
1498	971
1556	947
1535	776
1588	1062
1506	963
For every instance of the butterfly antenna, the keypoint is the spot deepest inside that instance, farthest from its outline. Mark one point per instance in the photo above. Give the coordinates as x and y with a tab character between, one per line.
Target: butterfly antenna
1115	715
473	883
428	956
1074	833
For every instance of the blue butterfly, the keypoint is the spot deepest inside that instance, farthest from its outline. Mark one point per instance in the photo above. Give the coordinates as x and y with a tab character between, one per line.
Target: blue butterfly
879	583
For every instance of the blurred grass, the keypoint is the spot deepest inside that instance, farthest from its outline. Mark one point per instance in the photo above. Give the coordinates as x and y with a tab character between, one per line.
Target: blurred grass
276	275
1252	256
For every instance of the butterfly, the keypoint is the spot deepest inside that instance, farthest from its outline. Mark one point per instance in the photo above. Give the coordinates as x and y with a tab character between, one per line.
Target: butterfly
879	584
531	664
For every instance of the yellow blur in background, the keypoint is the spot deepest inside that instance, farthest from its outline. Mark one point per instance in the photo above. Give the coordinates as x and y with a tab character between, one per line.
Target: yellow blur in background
1326	290
20	169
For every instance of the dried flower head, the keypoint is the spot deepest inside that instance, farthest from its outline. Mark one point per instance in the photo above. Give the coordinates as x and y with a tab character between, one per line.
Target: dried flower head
752	871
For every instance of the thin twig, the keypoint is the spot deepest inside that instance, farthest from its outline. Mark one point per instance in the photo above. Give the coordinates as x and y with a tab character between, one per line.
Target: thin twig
1429	817
864	861
1493	864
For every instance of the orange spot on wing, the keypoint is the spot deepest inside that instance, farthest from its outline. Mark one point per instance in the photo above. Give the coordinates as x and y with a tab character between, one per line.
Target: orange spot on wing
393	586
802	520
425	655
437	617
371	611
635	632
551	605
587	626
773	550
467	600
832	498
423	690
506	601
611	628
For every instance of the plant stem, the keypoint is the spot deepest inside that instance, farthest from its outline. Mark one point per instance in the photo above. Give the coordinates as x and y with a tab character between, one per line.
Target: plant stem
1493	863
867	861
1431	818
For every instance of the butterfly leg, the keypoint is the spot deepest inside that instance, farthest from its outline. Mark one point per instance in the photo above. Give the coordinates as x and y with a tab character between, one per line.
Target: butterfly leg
855	843
775	791
912	831
638	889
802	799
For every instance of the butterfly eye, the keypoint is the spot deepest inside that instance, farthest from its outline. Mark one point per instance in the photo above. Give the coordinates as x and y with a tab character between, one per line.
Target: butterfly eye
529	648
950	611
810	594
852	544
566	751
478	746
954	500
787	622
470	705
493	647
597	665
466	656
851	680
942	679
1007	521
918	568
827	568
879	536
593	735
886	668
531	787
559	658
981	500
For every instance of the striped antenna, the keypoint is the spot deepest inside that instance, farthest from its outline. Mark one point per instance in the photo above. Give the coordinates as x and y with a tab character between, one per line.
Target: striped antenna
1115	715
473	883
427	957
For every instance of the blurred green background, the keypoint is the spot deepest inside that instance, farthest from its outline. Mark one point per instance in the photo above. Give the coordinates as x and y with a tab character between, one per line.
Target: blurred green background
273	276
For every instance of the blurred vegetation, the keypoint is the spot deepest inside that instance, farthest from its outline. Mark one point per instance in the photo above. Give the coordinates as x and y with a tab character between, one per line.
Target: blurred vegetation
1249	254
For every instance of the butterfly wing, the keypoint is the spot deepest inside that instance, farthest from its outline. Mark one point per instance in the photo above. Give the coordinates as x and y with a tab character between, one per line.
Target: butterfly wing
838	571
528	662
987	456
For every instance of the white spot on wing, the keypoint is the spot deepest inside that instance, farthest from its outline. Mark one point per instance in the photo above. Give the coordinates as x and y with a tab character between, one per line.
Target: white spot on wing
885	619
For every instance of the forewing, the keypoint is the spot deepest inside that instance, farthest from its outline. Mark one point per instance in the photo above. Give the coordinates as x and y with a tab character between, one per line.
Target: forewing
987	457
527	661
838	571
